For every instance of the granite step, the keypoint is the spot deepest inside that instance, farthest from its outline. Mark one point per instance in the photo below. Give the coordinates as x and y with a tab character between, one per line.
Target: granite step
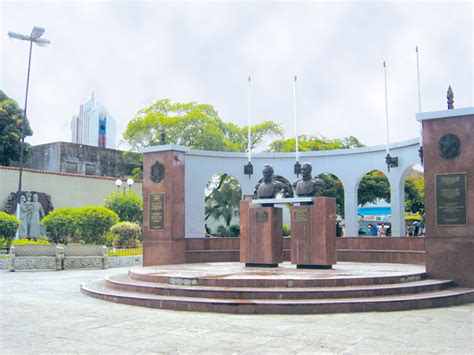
263	280
441	298
125	283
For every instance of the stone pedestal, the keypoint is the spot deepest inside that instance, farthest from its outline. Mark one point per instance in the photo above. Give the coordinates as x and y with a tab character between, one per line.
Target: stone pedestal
313	234
261	237
448	145
163	208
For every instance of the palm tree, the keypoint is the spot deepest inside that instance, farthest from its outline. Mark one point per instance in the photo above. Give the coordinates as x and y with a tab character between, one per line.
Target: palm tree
223	202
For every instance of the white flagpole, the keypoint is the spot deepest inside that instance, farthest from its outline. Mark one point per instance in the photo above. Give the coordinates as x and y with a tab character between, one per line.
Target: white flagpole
249	122
386	105
294	115
419	94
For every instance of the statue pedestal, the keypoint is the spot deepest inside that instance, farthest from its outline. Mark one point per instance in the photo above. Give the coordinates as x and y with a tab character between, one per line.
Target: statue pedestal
261	238
313	234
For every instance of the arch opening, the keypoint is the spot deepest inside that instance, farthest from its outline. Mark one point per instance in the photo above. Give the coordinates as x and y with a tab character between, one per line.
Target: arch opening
333	187
414	206
222	196
373	201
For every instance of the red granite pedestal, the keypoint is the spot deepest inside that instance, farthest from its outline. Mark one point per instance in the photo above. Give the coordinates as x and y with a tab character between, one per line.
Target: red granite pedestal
261	238
449	195
313	234
163	208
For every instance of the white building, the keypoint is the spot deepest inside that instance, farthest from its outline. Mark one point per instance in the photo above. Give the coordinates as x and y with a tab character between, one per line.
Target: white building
94	125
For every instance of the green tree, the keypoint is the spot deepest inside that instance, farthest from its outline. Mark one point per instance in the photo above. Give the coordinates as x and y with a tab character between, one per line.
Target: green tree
222	202
333	188
8	226
128	205
307	143
415	194
10	131
373	186
194	125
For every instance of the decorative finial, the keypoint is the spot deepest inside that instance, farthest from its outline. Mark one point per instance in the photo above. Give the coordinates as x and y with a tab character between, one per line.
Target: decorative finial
450	97
163	137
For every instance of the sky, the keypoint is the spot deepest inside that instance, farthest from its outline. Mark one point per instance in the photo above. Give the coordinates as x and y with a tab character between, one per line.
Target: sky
131	53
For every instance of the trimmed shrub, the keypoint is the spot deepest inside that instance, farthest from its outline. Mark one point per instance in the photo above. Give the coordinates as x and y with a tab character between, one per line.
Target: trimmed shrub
128	206
286	230
8	226
93	222
29	241
61	225
127	234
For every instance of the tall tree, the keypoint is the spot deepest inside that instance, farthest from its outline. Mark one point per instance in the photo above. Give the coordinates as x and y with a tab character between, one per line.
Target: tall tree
415	194
308	143
333	188
10	131
194	125
373	186
222	201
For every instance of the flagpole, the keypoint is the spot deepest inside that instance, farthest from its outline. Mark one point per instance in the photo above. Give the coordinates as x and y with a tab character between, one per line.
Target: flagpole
294	115
249	122
386	107
420	150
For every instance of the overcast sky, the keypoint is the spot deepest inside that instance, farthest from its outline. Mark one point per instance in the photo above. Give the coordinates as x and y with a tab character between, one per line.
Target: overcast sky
132	53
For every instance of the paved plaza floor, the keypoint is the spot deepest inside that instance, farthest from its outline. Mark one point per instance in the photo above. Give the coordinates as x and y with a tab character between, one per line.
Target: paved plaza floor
44	312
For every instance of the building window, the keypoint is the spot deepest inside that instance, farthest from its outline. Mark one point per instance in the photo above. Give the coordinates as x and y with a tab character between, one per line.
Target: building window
90	169
71	167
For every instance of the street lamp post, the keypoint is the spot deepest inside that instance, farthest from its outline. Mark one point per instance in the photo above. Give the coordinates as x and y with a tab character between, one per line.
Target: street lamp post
118	183
34	37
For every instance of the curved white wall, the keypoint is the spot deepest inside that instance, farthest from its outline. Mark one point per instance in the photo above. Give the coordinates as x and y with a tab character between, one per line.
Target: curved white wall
349	165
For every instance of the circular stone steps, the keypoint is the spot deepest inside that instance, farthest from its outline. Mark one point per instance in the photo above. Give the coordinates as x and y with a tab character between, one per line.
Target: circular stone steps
233	288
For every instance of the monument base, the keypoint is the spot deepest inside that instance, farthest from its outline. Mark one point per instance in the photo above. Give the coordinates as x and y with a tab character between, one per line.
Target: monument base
320	267
313	234
260	265
261	237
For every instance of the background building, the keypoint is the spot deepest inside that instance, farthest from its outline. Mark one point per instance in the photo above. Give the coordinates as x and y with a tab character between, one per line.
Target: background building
62	157
94	125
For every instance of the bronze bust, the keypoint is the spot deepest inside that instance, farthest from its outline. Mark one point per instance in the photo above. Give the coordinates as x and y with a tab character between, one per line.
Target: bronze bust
268	188
307	186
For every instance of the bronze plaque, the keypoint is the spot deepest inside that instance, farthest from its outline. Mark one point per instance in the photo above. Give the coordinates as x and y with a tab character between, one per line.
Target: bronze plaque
300	215
157	211
261	216
451	199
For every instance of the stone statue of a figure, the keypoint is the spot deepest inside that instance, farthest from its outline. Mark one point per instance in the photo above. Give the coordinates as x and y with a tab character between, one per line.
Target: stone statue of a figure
269	188
31	213
307	186
37	213
24	217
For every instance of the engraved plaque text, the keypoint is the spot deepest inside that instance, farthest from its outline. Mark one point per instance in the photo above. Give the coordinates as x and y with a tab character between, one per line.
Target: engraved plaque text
261	216
451	201
300	215
157	211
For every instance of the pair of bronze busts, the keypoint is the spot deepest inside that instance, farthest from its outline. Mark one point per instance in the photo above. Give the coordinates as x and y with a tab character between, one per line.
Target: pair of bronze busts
305	187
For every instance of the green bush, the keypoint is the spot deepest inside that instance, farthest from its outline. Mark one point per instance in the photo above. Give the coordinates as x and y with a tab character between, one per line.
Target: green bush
8	226
29	241
61	225
93	222
232	231
286	230
128	234
128	206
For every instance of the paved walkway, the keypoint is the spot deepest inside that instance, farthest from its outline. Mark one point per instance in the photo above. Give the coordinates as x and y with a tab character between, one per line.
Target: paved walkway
44	312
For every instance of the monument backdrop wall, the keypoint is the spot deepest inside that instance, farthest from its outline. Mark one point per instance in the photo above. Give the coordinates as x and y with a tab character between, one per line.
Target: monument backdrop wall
66	190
